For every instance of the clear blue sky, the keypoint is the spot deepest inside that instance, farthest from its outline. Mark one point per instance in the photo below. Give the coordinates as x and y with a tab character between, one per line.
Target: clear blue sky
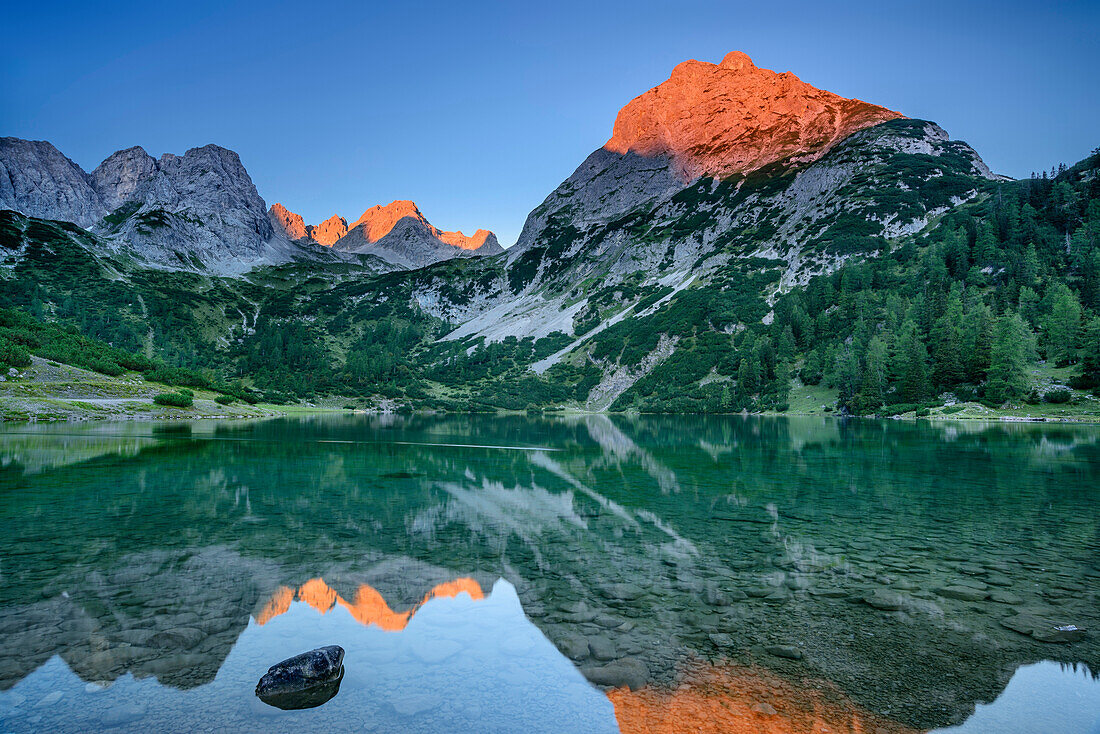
477	111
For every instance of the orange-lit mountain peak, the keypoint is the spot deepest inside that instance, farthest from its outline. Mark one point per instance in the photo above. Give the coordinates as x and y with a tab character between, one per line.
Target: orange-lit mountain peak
473	242
733	117
329	231
737	60
291	222
378	221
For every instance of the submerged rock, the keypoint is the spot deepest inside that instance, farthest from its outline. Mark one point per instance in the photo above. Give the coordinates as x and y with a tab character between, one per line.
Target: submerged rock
303	681
962	593
1043	630
789	652
629	672
885	601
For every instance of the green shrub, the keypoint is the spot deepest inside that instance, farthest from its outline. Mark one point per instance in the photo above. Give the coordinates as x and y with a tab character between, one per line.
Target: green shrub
13	355
225	399
175	399
1058	395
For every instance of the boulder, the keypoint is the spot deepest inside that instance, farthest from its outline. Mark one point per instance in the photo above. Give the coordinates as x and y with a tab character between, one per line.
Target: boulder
303	681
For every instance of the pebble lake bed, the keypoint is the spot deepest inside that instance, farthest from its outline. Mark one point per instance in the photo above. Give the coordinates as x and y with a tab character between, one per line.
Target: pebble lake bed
585	573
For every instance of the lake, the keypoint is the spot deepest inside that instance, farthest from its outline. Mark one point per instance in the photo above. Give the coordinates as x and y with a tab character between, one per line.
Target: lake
575	574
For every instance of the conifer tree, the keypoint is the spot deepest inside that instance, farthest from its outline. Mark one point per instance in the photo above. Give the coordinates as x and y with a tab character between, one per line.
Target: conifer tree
1009	358
914	384
1062	325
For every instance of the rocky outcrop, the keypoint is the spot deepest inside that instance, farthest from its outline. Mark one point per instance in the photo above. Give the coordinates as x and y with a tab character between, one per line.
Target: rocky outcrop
290	222
198	208
397	232
37	180
118	178
195	211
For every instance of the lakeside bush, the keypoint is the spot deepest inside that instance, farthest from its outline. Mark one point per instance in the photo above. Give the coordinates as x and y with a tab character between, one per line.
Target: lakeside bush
174	399
225	400
1058	395
13	355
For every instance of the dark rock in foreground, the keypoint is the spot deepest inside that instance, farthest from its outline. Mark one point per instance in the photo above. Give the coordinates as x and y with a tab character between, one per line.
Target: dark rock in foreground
303	681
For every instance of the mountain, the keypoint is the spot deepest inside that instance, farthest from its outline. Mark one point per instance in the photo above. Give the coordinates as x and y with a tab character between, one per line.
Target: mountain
706	120
397	232
195	211
719	164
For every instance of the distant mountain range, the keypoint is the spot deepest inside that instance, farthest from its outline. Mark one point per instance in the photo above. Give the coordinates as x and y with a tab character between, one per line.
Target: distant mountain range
397	233
201	211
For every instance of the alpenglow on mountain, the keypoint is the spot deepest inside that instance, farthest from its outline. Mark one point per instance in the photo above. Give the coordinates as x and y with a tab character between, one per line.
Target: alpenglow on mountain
690	263
397	232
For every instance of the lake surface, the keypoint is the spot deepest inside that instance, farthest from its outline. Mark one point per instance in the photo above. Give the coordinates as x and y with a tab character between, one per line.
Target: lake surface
589	574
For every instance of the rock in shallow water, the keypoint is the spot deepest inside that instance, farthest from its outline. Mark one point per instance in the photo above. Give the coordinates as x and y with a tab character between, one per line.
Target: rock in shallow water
784	651
629	672
1043	630
305	680
962	593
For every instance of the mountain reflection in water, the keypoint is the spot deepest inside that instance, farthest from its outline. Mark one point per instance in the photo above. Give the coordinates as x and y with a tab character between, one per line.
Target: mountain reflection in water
775	575
368	608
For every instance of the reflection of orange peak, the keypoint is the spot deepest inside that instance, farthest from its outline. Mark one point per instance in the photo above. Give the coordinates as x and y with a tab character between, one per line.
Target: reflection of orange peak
368	608
714	699
276	605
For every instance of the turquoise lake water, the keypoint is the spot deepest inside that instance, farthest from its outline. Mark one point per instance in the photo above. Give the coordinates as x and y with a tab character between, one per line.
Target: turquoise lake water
528	574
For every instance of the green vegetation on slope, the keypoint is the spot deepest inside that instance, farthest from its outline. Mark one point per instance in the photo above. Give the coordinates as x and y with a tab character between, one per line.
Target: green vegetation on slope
967	307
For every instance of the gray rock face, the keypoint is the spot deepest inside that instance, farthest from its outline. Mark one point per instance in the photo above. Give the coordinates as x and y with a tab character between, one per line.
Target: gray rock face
37	180
117	179
305	680
622	214
603	188
195	211
201	205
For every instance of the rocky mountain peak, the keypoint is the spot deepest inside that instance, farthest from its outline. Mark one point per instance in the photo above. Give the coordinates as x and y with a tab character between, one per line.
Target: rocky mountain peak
378	221
118	177
478	239
736	61
38	180
292	223
397	232
329	231
733	117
